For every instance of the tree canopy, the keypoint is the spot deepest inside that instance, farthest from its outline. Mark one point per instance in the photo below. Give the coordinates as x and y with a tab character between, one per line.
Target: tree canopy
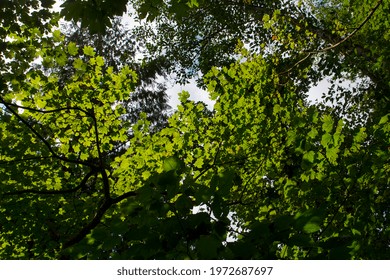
265	174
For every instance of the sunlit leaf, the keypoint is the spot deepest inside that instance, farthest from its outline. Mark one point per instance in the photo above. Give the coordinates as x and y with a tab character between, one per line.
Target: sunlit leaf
88	50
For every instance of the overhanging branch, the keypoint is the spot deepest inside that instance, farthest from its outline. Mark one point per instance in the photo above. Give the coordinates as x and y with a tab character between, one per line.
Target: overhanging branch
53	192
23	160
45	111
40	137
96	219
353	32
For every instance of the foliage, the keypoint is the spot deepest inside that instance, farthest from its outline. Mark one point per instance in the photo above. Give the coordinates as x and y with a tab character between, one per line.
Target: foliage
277	177
96	15
119	48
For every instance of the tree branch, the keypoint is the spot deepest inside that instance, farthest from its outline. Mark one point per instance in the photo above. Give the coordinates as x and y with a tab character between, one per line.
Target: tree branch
106	182
23	159
296	64
310	53
123	196
354	32
40	137
54	192
90	226
96	219
45	111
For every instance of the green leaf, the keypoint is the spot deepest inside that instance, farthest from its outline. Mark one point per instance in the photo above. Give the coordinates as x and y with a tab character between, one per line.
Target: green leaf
183	96
313	225
84	156
41	103
384	119
184	204
72	48
199	163
332	155
327	125
266	18
78	64
361	136
57	37
309	156
61	59
89	51
222	182
171	163
193	3
99	61
310	221
313	133
326	140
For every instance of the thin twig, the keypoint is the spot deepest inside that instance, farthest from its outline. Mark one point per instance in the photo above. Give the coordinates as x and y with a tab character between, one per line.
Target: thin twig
45	111
352	33
310	53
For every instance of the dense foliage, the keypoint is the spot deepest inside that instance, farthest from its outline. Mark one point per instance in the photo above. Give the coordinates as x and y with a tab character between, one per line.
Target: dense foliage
277	177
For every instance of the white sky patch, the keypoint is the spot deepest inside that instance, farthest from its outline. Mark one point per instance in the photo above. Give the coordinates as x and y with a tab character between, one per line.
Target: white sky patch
19	103
196	94
315	93
57	4
323	87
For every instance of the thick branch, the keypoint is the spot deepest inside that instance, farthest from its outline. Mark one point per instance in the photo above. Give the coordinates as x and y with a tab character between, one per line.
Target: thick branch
96	219
123	196
90	226
106	183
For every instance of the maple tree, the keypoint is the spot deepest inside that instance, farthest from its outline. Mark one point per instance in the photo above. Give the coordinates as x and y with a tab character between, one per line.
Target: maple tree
277	177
